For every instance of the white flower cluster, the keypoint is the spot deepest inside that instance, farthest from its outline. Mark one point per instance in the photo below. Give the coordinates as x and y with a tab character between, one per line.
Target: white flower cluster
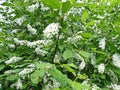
13	59
56	84
1	44
51	30
102	43
82	65
9	72
25	71
33	7
74	39
0	85
80	1
20	42
12	46
115	87
63	0
34	44
0	29
20	20
14	31
116	59
43	7
31	30
18	85
40	51
101	68
38	43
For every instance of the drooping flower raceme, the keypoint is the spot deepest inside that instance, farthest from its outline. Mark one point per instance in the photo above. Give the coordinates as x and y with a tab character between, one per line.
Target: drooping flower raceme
25	71
13	60
51	30
102	43
10	72
33	7
38	43
40	51
101	68
116	59
31	30
20	42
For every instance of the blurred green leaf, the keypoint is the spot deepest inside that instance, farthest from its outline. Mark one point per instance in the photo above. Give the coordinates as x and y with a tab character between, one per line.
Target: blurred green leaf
67	54
66	6
37	76
55	4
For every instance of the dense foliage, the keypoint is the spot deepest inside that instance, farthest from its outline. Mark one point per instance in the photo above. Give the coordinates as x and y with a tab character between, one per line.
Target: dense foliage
60	45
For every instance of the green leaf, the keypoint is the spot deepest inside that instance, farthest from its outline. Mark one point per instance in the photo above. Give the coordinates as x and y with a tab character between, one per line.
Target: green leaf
12	77
66	6
86	35
69	68
84	16
67	54
78	4
37	76
78	86
61	78
2	66
82	76
55	4
42	65
91	23
84	54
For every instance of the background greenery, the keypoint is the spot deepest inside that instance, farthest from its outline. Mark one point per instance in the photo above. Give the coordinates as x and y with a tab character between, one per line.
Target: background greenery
81	26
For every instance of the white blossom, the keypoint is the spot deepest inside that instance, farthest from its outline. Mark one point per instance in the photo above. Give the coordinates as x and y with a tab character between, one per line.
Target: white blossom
8	39
63	0
101	68
0	29
74	39
13	59
102	43
100	17
95	87
31	66
56	84
18	84
115	87
116	60
40	51
9	72
80	1
43	7
1	44
33	7
20	42
82	65
0	86
12	46
25	71
14	31
31	30
51	30
108	3
20	20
